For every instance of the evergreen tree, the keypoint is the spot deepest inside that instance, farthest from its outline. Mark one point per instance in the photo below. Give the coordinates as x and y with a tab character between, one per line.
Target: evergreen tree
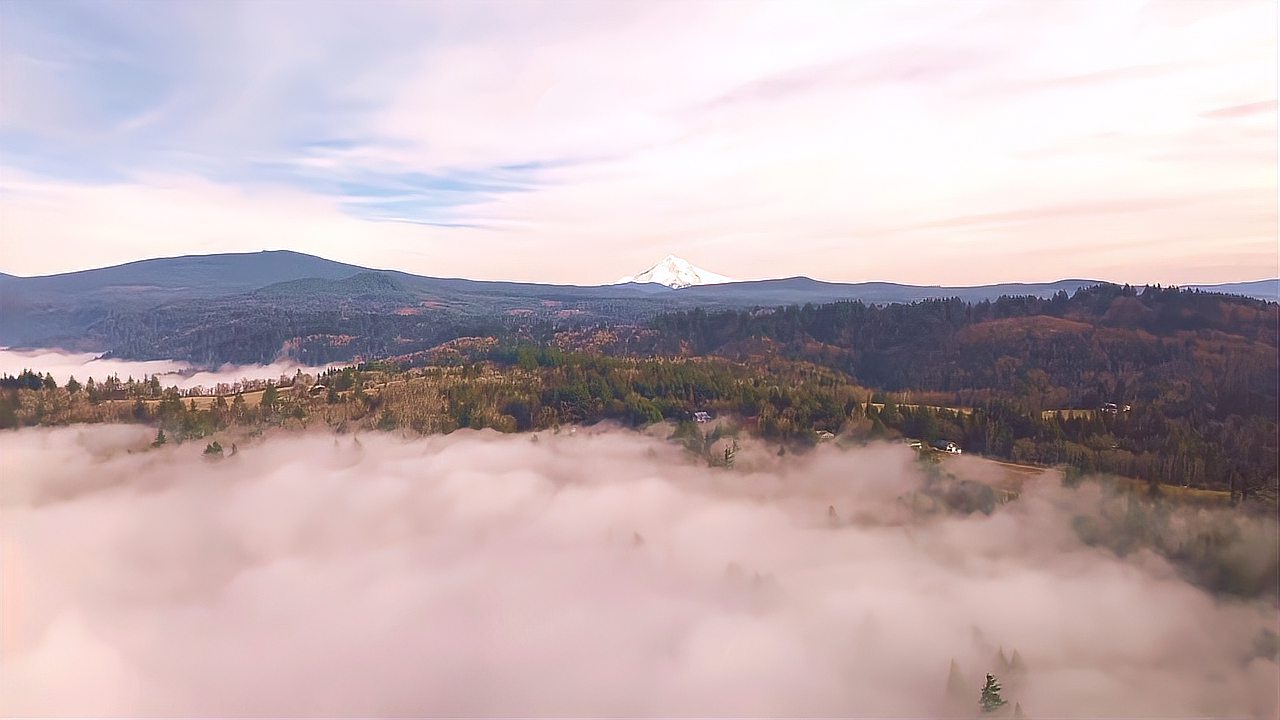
213	449
730	454
957	686
270	397
73	386
1016	664
160	439
990	700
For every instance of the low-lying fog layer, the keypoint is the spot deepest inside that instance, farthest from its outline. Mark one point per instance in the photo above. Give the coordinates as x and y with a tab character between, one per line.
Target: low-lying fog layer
606	574
63	365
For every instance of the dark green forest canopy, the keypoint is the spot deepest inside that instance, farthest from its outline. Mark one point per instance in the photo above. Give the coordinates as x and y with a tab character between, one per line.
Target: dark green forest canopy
1197	370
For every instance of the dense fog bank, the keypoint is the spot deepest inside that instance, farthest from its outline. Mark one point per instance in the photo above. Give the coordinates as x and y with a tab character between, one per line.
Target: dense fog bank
173	373
593	574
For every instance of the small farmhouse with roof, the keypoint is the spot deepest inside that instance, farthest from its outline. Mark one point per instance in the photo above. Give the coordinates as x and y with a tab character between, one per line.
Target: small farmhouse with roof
947	446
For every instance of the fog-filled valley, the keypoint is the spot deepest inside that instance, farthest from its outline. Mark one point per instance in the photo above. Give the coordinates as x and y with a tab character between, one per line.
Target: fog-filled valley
605	572
63	366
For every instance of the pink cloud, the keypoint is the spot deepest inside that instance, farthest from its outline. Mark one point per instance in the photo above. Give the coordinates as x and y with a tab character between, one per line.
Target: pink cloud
1245	110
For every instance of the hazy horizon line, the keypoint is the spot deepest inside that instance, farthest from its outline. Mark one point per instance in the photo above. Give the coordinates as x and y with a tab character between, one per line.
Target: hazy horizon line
366	268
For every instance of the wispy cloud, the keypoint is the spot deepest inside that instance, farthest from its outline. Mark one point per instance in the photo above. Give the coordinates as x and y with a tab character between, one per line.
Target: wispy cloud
1245	110
1086	209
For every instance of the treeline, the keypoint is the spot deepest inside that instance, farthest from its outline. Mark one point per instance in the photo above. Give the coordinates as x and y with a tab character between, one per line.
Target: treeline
513	386
1200	372
243	330
519	388
1140	444
1104	344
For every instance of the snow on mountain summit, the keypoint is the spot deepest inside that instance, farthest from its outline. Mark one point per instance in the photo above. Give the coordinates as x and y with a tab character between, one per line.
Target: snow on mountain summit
676	273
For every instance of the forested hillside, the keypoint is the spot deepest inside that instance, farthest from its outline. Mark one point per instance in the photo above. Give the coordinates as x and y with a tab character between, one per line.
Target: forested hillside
1198	372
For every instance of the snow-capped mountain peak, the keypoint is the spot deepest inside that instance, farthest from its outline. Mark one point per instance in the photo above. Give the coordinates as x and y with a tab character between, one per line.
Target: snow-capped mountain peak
676	273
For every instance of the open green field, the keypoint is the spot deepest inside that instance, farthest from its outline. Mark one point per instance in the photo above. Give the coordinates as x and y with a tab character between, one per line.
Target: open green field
1068	414
1011	476
203	402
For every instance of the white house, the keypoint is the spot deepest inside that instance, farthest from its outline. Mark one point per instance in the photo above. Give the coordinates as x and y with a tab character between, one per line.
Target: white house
947	447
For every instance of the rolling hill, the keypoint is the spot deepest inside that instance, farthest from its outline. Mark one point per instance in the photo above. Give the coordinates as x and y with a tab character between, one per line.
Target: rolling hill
245	307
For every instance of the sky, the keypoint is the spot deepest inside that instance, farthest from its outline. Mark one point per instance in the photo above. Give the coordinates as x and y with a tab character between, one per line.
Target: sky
930	142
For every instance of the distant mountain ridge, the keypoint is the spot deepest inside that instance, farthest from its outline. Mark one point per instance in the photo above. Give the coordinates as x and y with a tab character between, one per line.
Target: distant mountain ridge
218	274
224	273
675	273
1258	289
245	307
